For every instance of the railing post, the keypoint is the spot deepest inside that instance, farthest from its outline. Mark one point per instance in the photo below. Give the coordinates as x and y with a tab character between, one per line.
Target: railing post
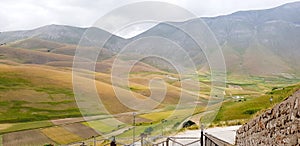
167	142
94	138
113	142
201	139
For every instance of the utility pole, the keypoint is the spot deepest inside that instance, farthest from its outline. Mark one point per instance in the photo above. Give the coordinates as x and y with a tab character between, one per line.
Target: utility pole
162	125
133	134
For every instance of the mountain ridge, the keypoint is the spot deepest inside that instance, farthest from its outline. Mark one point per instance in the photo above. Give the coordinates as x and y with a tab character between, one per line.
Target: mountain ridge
273	32
287	5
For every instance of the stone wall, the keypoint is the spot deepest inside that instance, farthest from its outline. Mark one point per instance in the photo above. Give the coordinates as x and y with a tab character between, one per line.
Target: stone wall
278	126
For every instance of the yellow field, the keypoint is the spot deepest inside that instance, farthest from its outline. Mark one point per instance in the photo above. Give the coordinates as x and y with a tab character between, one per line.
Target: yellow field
180	113
5	126
61	135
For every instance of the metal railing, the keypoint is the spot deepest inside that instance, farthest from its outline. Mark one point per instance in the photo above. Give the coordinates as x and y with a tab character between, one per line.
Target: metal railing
214	141
203	140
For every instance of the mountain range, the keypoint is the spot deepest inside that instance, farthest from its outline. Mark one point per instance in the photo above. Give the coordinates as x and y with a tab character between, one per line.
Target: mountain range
257	42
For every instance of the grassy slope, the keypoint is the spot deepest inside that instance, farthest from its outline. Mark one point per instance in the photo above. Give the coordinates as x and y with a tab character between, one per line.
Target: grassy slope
36	92
233	110
35	44
30	56
33	93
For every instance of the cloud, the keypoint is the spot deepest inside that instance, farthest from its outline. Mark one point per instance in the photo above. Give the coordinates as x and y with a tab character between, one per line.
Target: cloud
134	30
218	7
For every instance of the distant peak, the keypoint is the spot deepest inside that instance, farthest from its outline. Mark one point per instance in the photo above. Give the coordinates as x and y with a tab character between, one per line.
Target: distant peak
291	5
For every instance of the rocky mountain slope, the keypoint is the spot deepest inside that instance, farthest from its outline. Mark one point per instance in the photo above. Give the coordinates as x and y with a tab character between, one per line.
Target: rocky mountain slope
260	42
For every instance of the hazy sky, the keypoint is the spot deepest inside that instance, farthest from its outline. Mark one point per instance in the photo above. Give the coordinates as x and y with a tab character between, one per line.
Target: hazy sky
29	14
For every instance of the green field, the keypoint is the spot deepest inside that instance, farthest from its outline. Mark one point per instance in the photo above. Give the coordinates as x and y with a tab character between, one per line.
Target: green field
23	99
104	126
23	126
244	110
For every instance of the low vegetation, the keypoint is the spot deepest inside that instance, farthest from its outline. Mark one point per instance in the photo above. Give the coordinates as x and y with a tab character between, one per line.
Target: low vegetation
240	112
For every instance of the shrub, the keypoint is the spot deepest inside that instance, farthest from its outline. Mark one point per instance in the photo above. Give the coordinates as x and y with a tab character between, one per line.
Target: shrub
251	111
148	130
187	124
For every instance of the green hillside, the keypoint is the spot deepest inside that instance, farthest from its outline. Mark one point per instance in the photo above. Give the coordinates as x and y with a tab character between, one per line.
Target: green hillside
239	111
